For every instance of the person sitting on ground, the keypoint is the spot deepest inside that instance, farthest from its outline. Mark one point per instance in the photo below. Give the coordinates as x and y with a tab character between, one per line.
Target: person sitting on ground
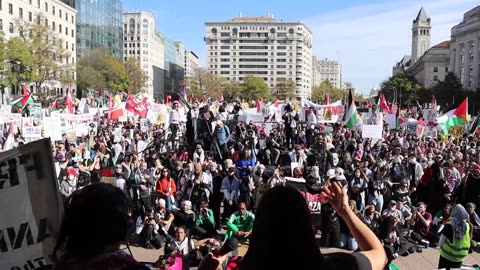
475	220
240	223
87	239
185	216
205	224
273	232
421	221
391	238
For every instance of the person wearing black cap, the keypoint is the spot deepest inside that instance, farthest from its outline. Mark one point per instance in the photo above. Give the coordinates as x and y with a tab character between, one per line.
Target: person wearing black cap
298	156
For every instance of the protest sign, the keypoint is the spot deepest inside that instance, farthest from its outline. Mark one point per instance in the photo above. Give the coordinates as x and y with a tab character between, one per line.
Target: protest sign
372	131
53	128
81	130
391	120
429	115
16	118
313	200
117	135
411	128
457	131
31	134
31	216
36	113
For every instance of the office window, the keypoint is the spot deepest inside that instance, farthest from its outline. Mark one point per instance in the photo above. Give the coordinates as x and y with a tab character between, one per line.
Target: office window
1	24
66	16
66	31
60	28
60	13
53	26
30	16
73	33
46	6
10	28
53	10
46	23
10	9
20	13
38	3
1	4
435	69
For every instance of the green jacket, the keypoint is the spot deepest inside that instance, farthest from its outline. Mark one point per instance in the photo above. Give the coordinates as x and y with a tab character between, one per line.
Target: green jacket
237	222
203	218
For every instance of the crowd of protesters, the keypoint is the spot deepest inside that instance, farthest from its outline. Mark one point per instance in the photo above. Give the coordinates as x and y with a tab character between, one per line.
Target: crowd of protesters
192	180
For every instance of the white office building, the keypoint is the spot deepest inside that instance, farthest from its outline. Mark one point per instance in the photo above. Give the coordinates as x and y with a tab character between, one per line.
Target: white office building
465	49
57	16
191	64
142	42
330	70
263	47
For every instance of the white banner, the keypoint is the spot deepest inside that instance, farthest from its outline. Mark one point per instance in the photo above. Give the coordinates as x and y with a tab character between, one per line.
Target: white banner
78	117
372	131
32	207
31	134
53	128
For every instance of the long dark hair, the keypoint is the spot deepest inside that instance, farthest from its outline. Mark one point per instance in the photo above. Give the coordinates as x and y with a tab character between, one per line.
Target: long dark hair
282	233
95	219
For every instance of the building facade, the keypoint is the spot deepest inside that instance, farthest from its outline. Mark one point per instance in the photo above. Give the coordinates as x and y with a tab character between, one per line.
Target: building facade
465	49
262	47
173	69
421	42
331	70
99	26
421	35
315	72
191	64
56	15
144	44
432	67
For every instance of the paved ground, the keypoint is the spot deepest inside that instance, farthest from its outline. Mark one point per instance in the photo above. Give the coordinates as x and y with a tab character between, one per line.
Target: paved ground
428	259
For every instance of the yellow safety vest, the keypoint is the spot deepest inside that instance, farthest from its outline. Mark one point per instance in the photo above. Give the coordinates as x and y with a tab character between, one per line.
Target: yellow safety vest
458	250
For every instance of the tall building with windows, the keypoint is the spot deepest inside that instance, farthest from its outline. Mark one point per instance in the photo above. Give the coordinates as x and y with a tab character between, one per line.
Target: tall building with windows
99	25
191	64
262	47
421	35
144	44
331	71
465	49
56	15
173	67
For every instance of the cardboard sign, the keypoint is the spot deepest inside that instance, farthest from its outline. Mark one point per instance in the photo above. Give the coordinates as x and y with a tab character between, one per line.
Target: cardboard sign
53	128
31	216
457	131
31	134
429	115
372	131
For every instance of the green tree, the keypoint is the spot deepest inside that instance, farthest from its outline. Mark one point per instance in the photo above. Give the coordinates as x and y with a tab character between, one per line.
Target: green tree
231	90
326	87
37	54
407	89
254	88
205	83
137	78
285	89
446	89
114	73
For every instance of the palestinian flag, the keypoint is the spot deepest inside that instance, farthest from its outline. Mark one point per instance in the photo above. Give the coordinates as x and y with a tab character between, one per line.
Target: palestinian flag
55	105
399	120
474	126
351	116
10	141
456	115
23	101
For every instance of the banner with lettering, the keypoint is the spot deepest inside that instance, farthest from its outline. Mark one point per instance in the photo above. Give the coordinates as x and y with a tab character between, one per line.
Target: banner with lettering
138	107
313	200
32	210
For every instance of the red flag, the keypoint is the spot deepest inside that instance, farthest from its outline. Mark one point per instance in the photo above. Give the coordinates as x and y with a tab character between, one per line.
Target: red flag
55	104
168	99
69	102
384	105
276	105
434	102
25	91
327	99
258	106
137	107
196	100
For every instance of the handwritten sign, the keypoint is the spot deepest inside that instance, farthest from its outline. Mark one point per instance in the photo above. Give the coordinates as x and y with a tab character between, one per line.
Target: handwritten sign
53	128
372	131
429	115
457	131
31	134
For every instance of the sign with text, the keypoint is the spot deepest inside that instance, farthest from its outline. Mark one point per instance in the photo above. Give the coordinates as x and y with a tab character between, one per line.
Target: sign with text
372	131
53	128
31	134
457	131
32	219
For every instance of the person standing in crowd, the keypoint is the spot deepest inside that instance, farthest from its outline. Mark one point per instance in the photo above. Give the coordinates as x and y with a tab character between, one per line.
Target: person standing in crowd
455	239
192	124
290	118
230	189
175	120
222	134
199	155
216	197
145	183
